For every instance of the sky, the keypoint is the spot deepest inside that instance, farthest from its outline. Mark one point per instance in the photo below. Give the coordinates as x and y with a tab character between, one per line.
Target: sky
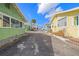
43	12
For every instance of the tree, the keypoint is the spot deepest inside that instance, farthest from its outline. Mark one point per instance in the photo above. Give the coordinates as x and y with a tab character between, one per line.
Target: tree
34	21
46	25
33	25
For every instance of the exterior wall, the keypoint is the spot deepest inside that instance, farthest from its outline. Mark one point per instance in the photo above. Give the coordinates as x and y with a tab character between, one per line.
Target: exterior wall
10	17
10	11
70	30
9	32
1	23
54	25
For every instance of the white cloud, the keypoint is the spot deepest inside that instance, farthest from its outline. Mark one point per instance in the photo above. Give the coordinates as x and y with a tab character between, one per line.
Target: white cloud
53	11
45	7
50	13
48	9
59	9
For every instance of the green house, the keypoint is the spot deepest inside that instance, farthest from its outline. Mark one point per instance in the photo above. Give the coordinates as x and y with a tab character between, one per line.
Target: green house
11	20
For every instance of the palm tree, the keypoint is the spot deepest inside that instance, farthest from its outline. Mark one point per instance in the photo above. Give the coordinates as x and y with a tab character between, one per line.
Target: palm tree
33	21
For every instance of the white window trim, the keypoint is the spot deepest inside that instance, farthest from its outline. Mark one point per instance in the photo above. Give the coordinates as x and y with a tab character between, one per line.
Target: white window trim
66	22
3	14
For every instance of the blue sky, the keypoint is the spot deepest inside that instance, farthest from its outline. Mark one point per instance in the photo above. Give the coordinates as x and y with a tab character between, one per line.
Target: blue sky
66	6
30	10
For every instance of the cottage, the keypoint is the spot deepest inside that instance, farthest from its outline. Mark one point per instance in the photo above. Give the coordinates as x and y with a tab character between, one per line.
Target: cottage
66	23
11	20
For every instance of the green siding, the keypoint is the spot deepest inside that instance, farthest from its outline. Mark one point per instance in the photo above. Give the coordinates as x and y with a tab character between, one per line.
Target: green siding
27	28
8	32
10	11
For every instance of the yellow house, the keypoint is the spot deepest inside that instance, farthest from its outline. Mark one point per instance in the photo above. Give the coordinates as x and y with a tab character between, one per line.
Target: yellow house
67	22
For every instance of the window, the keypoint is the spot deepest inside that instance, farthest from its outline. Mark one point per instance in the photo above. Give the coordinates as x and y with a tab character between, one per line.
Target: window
76	20
16	23
6	21
20	24
62	22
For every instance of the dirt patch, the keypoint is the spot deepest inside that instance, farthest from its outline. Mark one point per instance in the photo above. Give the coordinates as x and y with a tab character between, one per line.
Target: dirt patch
60	33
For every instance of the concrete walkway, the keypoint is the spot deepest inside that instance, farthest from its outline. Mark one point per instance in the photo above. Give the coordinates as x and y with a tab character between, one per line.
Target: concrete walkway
64	48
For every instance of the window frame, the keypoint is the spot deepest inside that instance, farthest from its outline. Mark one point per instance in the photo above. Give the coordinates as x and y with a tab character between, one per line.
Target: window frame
3	14
16	22
8	21
76	20
63	18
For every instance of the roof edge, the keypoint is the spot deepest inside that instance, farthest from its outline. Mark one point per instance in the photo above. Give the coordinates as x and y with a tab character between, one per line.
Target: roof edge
19	11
